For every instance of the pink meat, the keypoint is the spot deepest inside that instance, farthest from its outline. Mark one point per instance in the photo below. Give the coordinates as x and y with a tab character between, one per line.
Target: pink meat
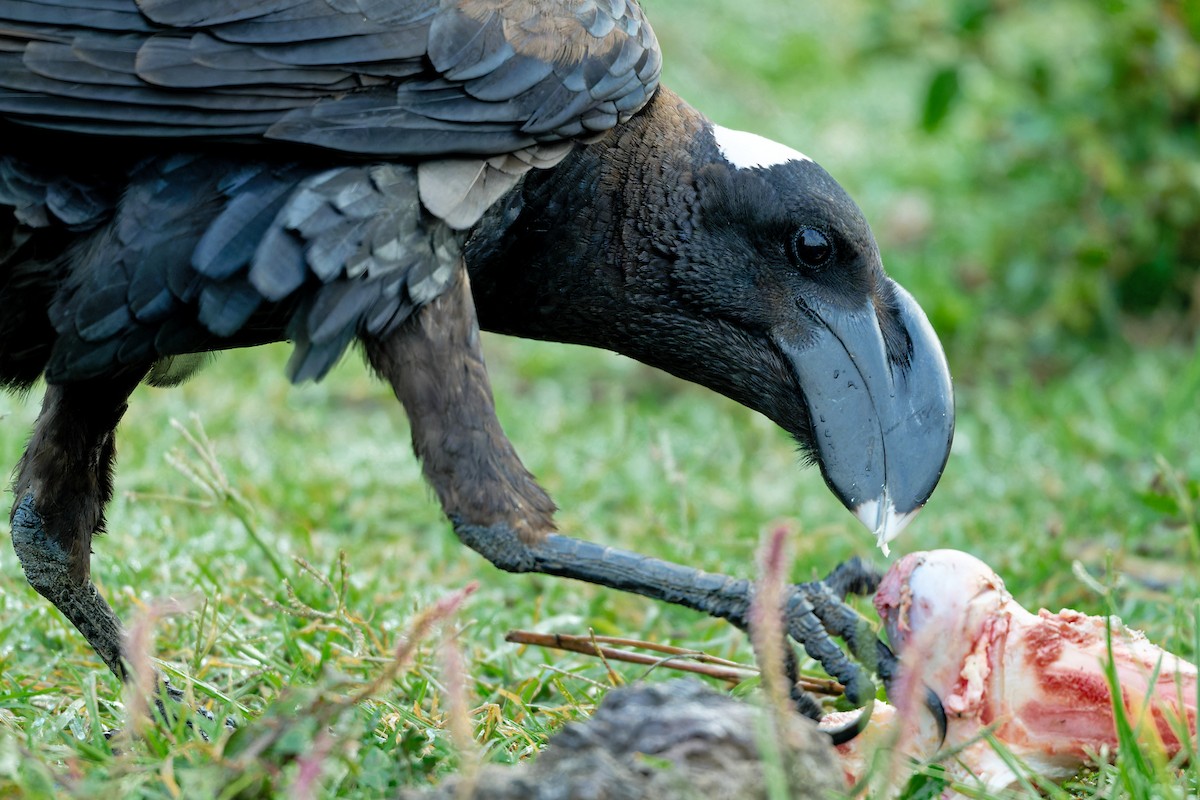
1039	678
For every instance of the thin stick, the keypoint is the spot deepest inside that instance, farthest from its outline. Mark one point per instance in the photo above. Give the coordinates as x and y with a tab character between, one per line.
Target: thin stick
669	649
678	658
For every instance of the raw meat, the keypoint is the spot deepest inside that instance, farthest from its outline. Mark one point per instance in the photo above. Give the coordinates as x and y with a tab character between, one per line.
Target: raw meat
1037	680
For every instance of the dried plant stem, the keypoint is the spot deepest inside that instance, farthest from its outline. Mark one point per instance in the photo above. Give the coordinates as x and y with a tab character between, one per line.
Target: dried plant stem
418	629
766	618
677	658
767	638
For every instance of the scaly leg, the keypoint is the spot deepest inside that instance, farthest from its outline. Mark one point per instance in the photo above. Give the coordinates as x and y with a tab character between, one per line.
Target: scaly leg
435	366
827	599
64	482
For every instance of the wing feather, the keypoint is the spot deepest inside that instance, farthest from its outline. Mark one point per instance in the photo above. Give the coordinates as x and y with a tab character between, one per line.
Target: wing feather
453	100
225	307
190	14
465	77
107	15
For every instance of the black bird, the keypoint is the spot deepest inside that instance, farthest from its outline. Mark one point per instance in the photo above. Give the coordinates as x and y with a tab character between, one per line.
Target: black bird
180	177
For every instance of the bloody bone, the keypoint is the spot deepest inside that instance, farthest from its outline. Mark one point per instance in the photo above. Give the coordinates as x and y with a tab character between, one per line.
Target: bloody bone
1039	678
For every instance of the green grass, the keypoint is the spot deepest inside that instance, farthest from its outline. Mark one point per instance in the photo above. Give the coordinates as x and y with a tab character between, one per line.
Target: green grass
1041	476
1065	453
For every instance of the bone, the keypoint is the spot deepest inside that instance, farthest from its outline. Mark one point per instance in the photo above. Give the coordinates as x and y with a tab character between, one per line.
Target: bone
1036	680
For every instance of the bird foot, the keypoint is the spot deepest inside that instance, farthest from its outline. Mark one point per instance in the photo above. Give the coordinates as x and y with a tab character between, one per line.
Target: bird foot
813	612
53	571
55	564
826	598
168	695
176	695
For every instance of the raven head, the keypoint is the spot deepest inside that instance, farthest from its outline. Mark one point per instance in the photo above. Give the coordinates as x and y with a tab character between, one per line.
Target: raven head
783	262
737	263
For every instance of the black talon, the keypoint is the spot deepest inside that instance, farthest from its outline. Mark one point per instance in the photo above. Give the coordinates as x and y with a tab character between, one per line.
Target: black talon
166	692
854	727
888	671
934	704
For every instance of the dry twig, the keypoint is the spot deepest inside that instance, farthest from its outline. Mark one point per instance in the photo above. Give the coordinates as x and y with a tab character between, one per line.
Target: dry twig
679	658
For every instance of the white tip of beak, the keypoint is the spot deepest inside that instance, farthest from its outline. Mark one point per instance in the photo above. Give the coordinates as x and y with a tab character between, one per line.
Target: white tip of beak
880	517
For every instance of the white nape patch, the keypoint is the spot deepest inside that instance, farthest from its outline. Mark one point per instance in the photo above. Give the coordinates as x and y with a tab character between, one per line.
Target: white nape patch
745	150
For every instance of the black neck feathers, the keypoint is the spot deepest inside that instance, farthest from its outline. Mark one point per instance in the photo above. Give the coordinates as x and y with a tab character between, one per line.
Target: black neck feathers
580	252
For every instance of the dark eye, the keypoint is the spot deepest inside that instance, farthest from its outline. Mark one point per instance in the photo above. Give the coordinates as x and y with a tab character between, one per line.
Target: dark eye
810	248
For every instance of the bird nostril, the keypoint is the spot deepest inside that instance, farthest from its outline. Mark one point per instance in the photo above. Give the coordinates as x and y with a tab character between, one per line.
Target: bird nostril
804	308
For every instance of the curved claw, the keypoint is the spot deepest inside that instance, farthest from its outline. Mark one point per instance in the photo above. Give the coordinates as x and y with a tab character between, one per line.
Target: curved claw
888	670
934	704
854	727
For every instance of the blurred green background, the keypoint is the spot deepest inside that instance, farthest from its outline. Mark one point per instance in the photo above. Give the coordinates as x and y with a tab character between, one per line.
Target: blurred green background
1032	169
1032	173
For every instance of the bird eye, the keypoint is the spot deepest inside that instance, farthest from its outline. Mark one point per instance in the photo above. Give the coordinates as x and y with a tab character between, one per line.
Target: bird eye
810	248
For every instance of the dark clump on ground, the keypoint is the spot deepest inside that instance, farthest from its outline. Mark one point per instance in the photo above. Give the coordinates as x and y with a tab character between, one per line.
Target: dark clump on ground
669	741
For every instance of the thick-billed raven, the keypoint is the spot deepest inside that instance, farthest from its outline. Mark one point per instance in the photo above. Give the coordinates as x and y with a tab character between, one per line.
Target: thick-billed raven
180	177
